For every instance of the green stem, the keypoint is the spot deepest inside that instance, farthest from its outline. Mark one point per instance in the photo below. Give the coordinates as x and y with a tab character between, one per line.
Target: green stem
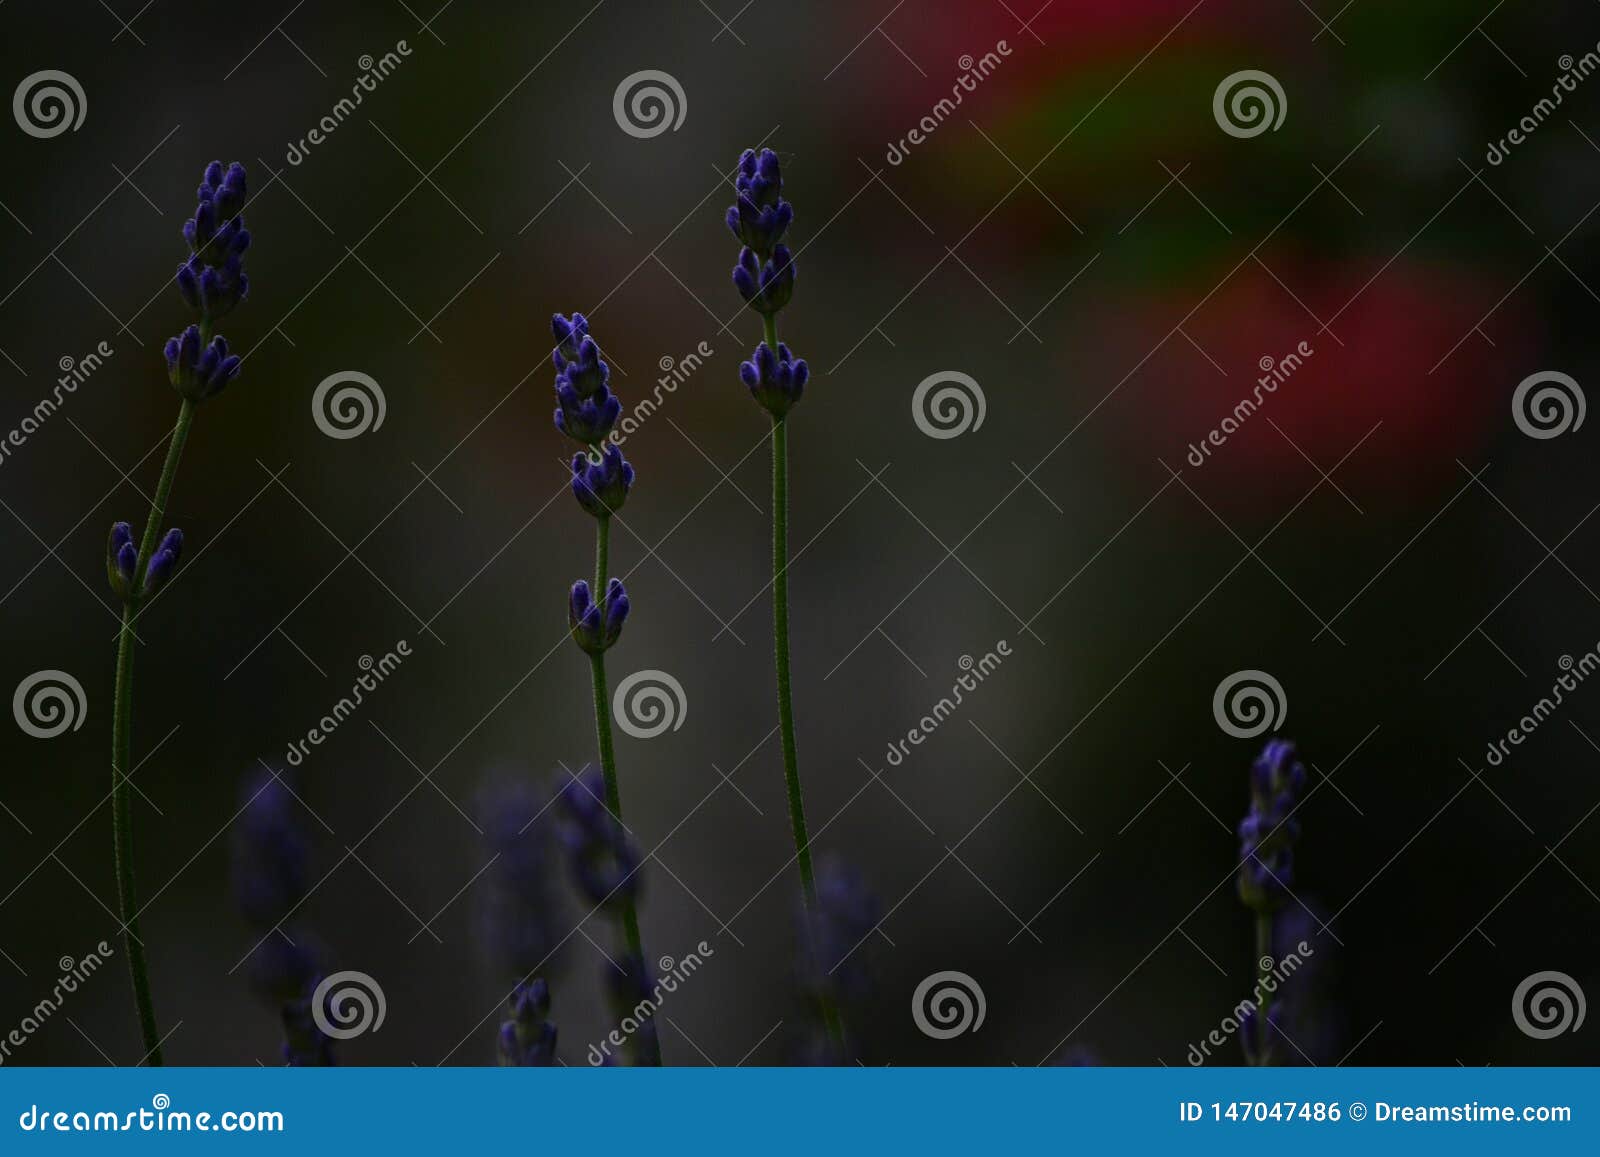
1264	963
122	751
648	1043
780	640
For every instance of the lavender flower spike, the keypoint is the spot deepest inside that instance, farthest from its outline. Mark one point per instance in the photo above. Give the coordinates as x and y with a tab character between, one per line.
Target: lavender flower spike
775	381
586	409
528	1039
122	557
1268	832
605	861
270	877
760	216
213	280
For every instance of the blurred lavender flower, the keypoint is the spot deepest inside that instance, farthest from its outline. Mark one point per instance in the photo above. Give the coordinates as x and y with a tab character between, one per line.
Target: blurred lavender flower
630	985
122	559
1268	832
604	859
528	1040
776	382
270	879
832	963
520	911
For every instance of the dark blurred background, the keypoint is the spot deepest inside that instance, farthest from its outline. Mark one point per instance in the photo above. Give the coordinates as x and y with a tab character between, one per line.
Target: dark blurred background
1080	237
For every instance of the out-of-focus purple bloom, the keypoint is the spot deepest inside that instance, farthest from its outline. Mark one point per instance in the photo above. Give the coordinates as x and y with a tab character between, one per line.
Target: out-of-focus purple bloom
520	914
528	1039
595	626
601	487
760	216
270	873
833	935
196	373
775	380
631	990
605	860
1268	831
765	285
586	409
213	280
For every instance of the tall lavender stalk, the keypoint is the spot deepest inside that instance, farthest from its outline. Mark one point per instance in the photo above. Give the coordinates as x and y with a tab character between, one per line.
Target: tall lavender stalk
1267	836
764	277
586	411
212	281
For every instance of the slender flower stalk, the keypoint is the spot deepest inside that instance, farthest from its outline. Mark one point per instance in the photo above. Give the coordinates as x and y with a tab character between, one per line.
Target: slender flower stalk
1267	836
764	277
586	411
211	281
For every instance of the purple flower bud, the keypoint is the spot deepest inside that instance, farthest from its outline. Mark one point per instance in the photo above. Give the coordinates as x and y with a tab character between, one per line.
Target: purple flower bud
601	487
595	627
196	374
765	286
121	557
775	380
163	562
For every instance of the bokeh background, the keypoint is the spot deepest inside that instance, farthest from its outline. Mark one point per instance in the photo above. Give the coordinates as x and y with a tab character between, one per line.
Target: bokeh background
1083	240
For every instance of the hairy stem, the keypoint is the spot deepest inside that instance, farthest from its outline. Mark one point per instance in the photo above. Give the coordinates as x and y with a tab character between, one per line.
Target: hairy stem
122	751
780	640
649	1044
